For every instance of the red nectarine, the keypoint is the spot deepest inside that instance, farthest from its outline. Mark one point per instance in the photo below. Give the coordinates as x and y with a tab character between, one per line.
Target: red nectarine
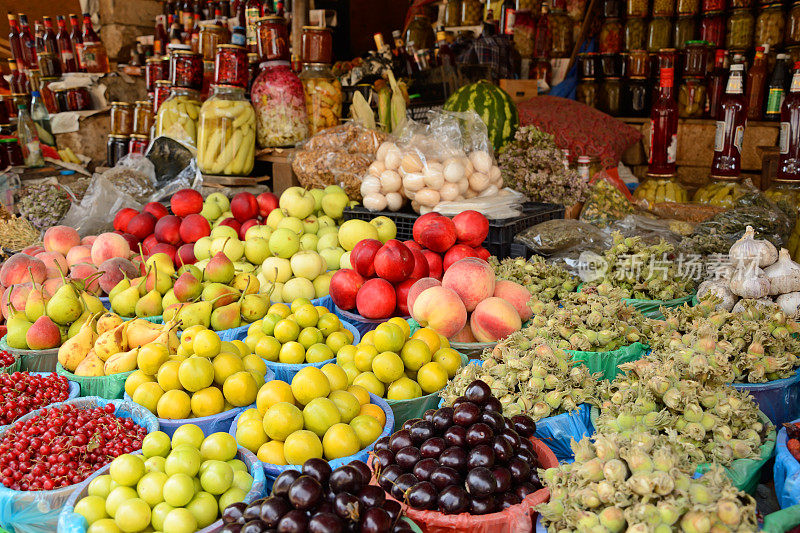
362	258
156	209
186	202
376	299
394	262
471	227
193	228
122	218
168	230
434	232
244	206
344	287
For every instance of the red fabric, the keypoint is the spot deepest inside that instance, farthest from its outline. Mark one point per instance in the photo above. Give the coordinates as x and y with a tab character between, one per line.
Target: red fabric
579	128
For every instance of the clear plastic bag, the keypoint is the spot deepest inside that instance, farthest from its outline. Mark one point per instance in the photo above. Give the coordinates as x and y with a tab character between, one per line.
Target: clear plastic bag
90	216
560	234
605	202
506	204
651	230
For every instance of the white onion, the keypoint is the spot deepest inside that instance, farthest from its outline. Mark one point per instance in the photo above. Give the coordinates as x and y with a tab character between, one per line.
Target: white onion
375	202
481	160
390	181
370	185
427	197
463	185
394	201
434	179
413	182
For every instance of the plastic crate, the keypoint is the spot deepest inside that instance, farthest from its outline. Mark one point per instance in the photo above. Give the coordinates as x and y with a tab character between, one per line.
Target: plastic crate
418	112
501	232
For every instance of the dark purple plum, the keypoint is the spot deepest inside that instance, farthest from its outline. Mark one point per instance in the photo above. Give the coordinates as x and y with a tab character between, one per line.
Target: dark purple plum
231	528
503	451
524	425
520	470
363	469
503	477
525	455
400	440
466	414
425	468
382	459
376	520
481	455
527	445
388	475
295	521
410	422
382	443
480	482
284	481
442	419
511	436
456	436
394	508
479	433
433	447
493	420
325	523
444	476
494	405
272	509
319	469
346	506
453	500
479	506
478	392
233	512
458	401
254	526
523	489
428	415
508	499
423	496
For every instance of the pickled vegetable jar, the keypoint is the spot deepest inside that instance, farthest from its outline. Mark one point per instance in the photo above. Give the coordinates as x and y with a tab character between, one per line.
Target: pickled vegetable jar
663	8
636	8
713	5
317	45
635	33
471	12
561	34
163	88
142	117
212	34
688	7
712	29
741	4
226	133
659	34
741	24
610	93
610	41
720	192
685	30
793	25
121	118
770	25
155	69
279	101
272	38
611	65
323	93
177	116
696	62
588	65
231	67
636	97
186	69
452	13
586	92
692	98
659	188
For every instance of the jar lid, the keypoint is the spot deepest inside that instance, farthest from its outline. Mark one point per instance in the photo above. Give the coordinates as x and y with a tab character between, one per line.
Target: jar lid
724	178
118	136
139	136
9	139
583	159
121	103
142	102
231	46
271	18
163	83
638	78
696	43
316	65
154	60
181	52
655	175
667	50
588	79
50	78
612	78
685	16
209	23
712	13
316	28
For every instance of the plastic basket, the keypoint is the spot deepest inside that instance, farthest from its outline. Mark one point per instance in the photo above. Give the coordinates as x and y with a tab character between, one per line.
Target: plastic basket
209	424
33	360
520	517
285	372
13	367
558	431
363	325
74	392
779	399
110	387
608	362
38	511
473	350
71	522
501	231
786	472
273	471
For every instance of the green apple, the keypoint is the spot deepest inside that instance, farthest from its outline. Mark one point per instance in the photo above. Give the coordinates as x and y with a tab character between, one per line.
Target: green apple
117	496
276	269
127	469
233	495
224	231
324	230
242	478
238	465
386	228
220	446
160	511
155	464
291	223
344	261
185	460
133	515
334	189
317	194
329	240
297	202
220	200
284	243
307	264
274	217
333	204
310	224
354	231
326	222
298	288
211	211
259	230
333	257
202	248
256	250
309	241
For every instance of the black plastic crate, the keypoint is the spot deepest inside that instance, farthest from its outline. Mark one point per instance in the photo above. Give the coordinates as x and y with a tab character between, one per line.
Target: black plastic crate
501	232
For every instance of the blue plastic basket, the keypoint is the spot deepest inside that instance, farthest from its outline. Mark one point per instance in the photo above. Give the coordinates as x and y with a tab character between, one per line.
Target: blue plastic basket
273	471
786	473
209	424
285	372
71	522
557	431
779	399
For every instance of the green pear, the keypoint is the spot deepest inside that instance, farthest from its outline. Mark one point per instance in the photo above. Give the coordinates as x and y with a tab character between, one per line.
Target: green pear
229	316
124	303
246	282
162	263
219	269
277	269
169	299
92	303
160	281
186	287
191	269
18	327
254	307
256	249
224	231
44	334
195	314
75	327
36	304
333	204
243	266
298	202
284	243
123	284
65	306
149	304
220	294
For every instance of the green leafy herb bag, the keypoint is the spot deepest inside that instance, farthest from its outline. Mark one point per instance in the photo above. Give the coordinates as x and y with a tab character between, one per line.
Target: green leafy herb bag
608	362
652	308
110	387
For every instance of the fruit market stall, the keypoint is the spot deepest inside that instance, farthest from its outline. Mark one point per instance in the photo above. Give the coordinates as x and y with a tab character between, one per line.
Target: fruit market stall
306	292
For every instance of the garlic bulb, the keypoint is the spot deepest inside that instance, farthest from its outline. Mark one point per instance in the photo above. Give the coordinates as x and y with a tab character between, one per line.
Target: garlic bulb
740	306
749	283
749	249
784	275
719	289
789	304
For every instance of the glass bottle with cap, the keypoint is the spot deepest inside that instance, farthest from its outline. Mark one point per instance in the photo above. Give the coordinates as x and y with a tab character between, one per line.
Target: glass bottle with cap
730	127
28	138
41	118
776	89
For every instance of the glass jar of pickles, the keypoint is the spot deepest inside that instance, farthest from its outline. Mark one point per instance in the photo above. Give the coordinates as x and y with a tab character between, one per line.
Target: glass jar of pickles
692	98
155	68
163	88
638	63
226	133
695	64
142	117
186	69
272	38
770	26
685	30
660	188
586	92
560	34
610	93
452	13
231	67
471	12
663	8
588	65
610	40
659	34
688	7
712	29
635	33
177	116
721	191
793	25
741	24
636	97
212	34
636	8
323	93
279	101
121	118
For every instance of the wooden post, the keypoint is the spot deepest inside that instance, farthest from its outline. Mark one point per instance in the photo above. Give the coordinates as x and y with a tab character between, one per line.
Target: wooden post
582	34
299	19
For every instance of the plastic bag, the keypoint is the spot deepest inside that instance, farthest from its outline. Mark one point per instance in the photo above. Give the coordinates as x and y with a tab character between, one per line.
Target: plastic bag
337	156
110	387
786	473
560	234
506	204
91	216
605	202
783	520
558	431
37	511
649	229
449	159
652	308
778	399
188	178
608	362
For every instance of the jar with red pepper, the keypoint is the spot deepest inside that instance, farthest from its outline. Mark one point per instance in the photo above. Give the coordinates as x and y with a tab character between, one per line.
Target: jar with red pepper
138	144
696	62
272	38
710	6
155	68
231	66
186	69
163	88
79	99
712	29
610	41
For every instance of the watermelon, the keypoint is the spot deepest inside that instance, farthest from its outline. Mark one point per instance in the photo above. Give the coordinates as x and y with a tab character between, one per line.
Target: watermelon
492	104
